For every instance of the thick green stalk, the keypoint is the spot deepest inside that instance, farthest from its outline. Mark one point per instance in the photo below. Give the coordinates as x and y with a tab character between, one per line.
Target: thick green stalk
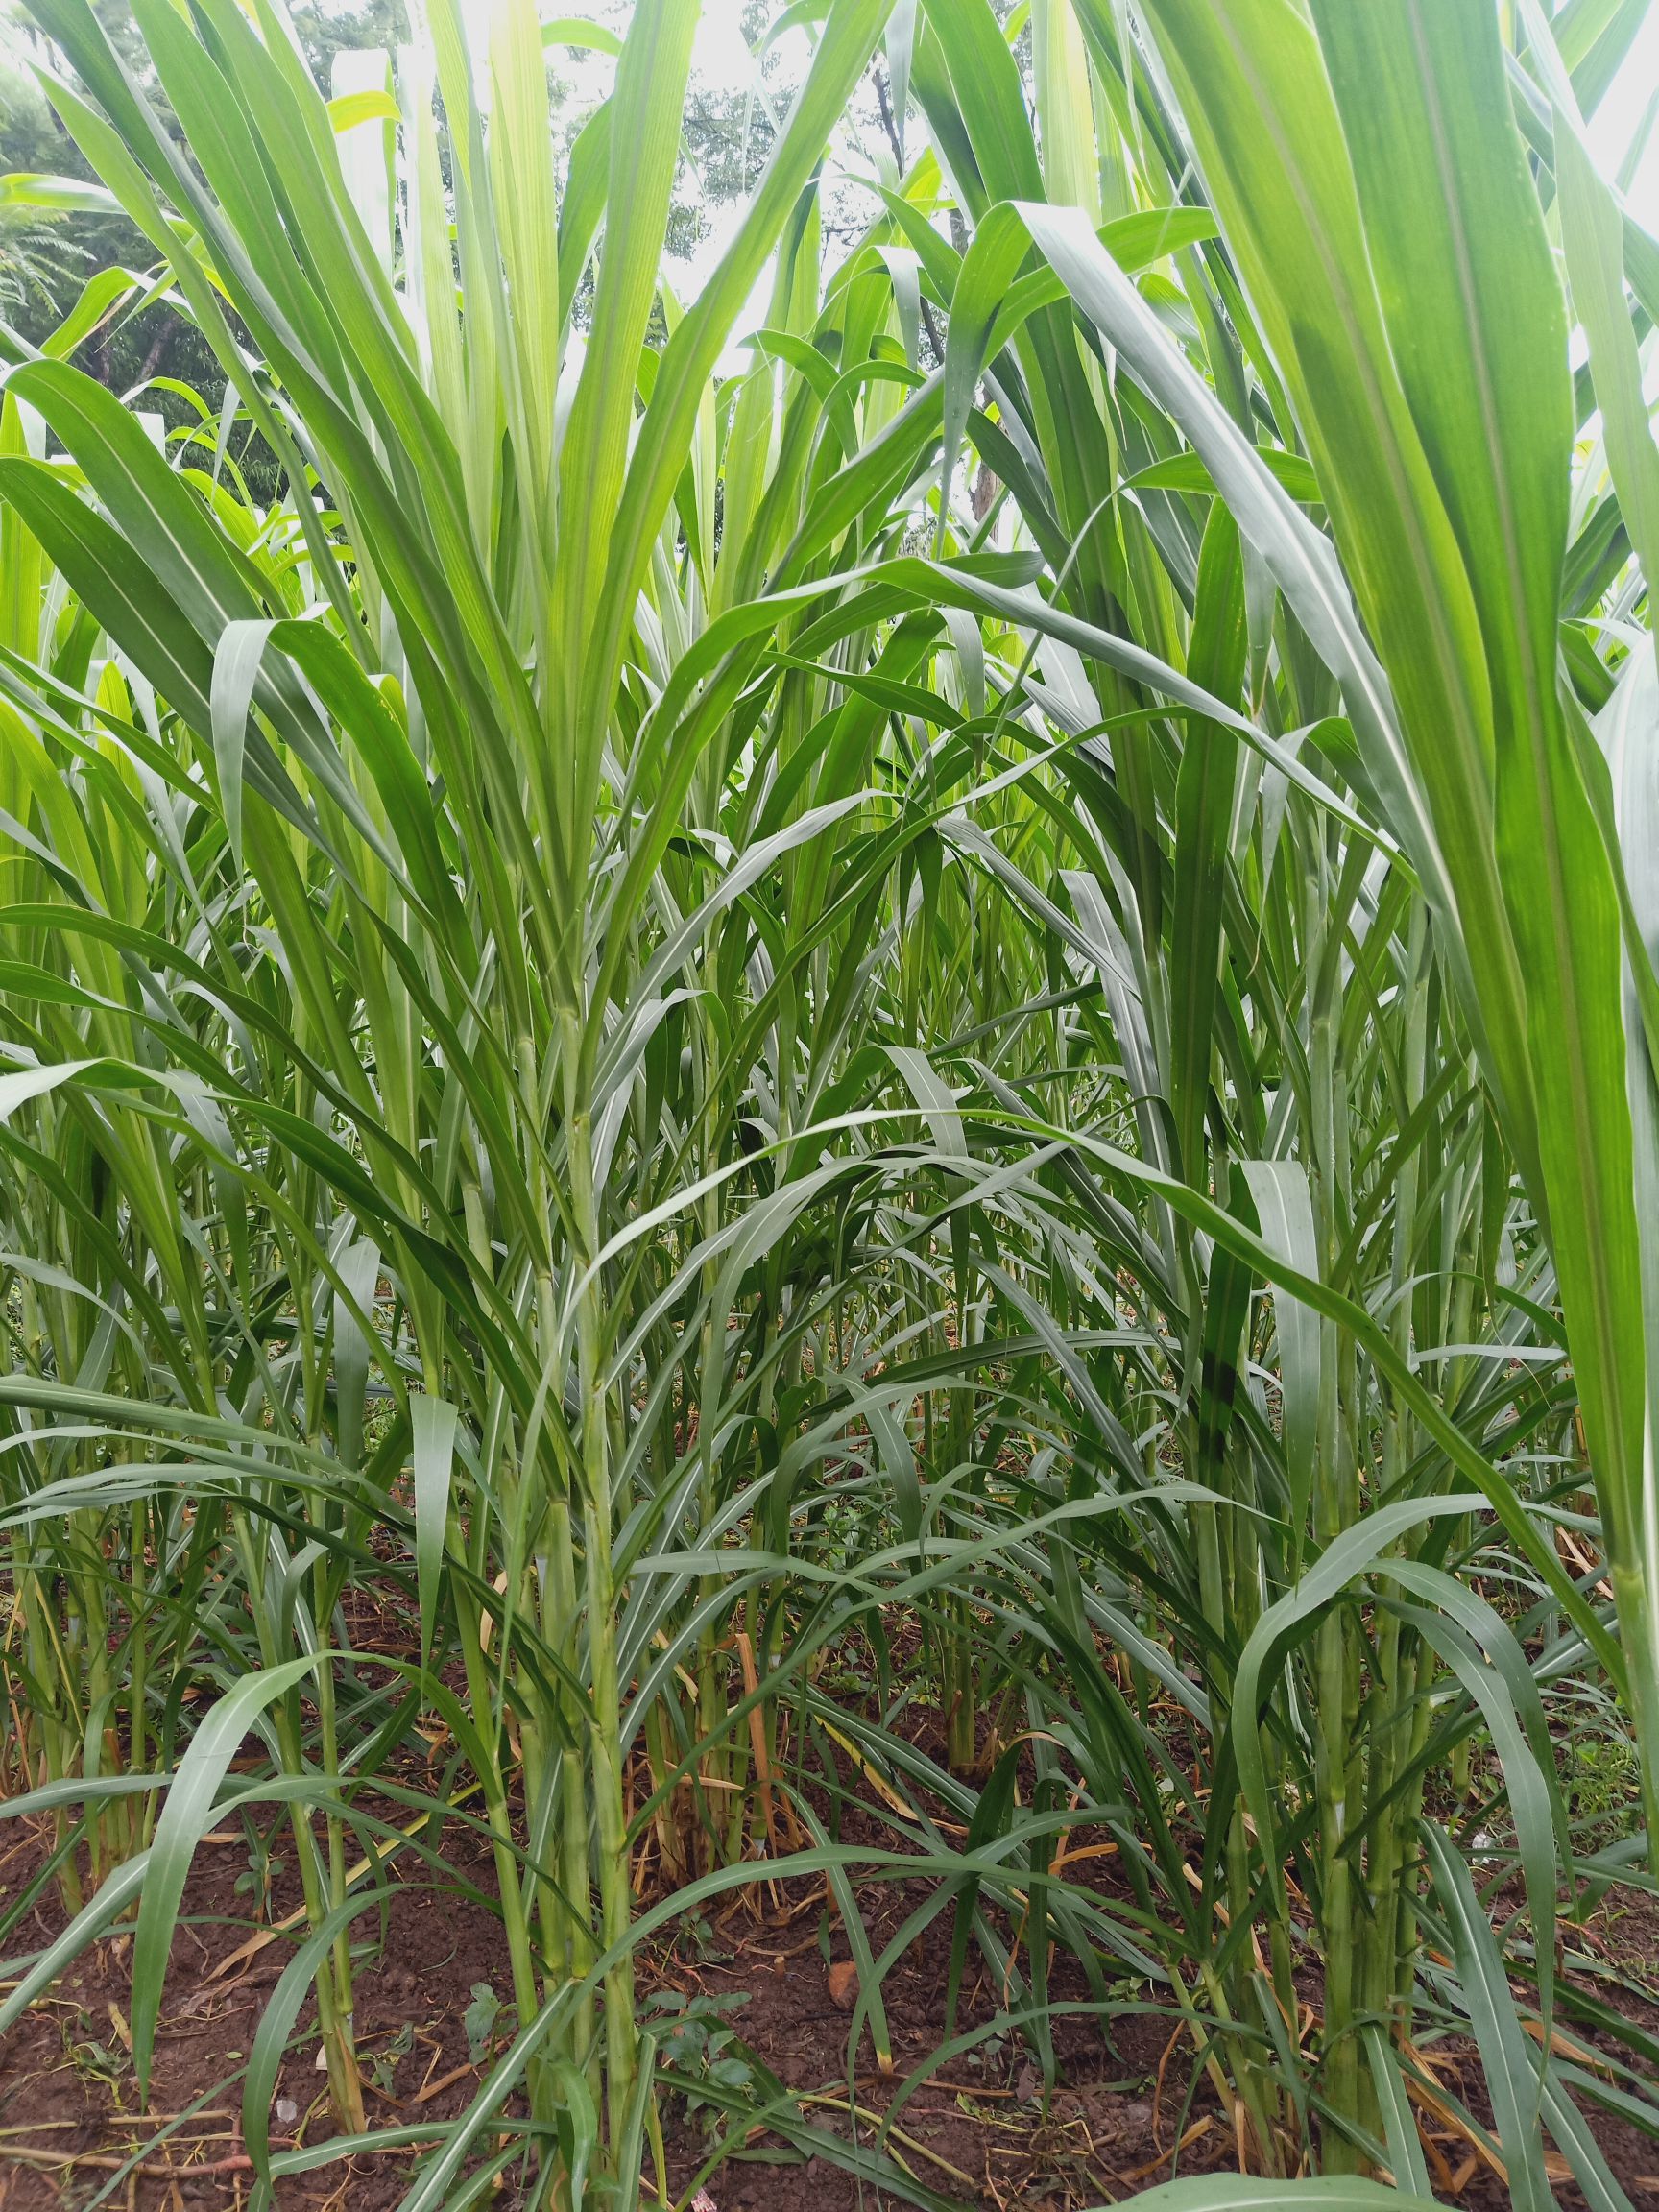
1335	1660
605	1740
334	2025
568	1934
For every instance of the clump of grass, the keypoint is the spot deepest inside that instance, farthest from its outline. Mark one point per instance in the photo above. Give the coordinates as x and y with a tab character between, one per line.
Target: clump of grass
955	1010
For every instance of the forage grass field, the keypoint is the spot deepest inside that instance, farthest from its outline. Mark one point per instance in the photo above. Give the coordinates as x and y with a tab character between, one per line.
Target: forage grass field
830	1111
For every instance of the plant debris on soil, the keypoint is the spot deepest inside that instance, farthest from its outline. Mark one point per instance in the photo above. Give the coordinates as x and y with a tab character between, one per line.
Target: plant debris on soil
750	2003
757	1996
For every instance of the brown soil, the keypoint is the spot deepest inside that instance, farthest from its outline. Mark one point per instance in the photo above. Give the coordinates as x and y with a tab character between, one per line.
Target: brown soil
69	2113
977	2131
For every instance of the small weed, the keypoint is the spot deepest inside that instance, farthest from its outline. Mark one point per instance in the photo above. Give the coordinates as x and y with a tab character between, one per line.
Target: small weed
260	1875
697	1936
1603	1783
383	2064
479	2021
699	2046
105	2065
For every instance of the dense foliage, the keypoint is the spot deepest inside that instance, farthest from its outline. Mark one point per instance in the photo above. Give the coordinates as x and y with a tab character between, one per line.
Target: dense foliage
982	987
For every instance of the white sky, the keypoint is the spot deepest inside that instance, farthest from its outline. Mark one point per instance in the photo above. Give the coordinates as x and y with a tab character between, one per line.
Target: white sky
722	58
1621	113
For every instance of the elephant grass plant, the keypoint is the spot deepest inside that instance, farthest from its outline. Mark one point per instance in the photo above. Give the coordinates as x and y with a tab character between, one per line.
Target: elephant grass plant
1017	926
